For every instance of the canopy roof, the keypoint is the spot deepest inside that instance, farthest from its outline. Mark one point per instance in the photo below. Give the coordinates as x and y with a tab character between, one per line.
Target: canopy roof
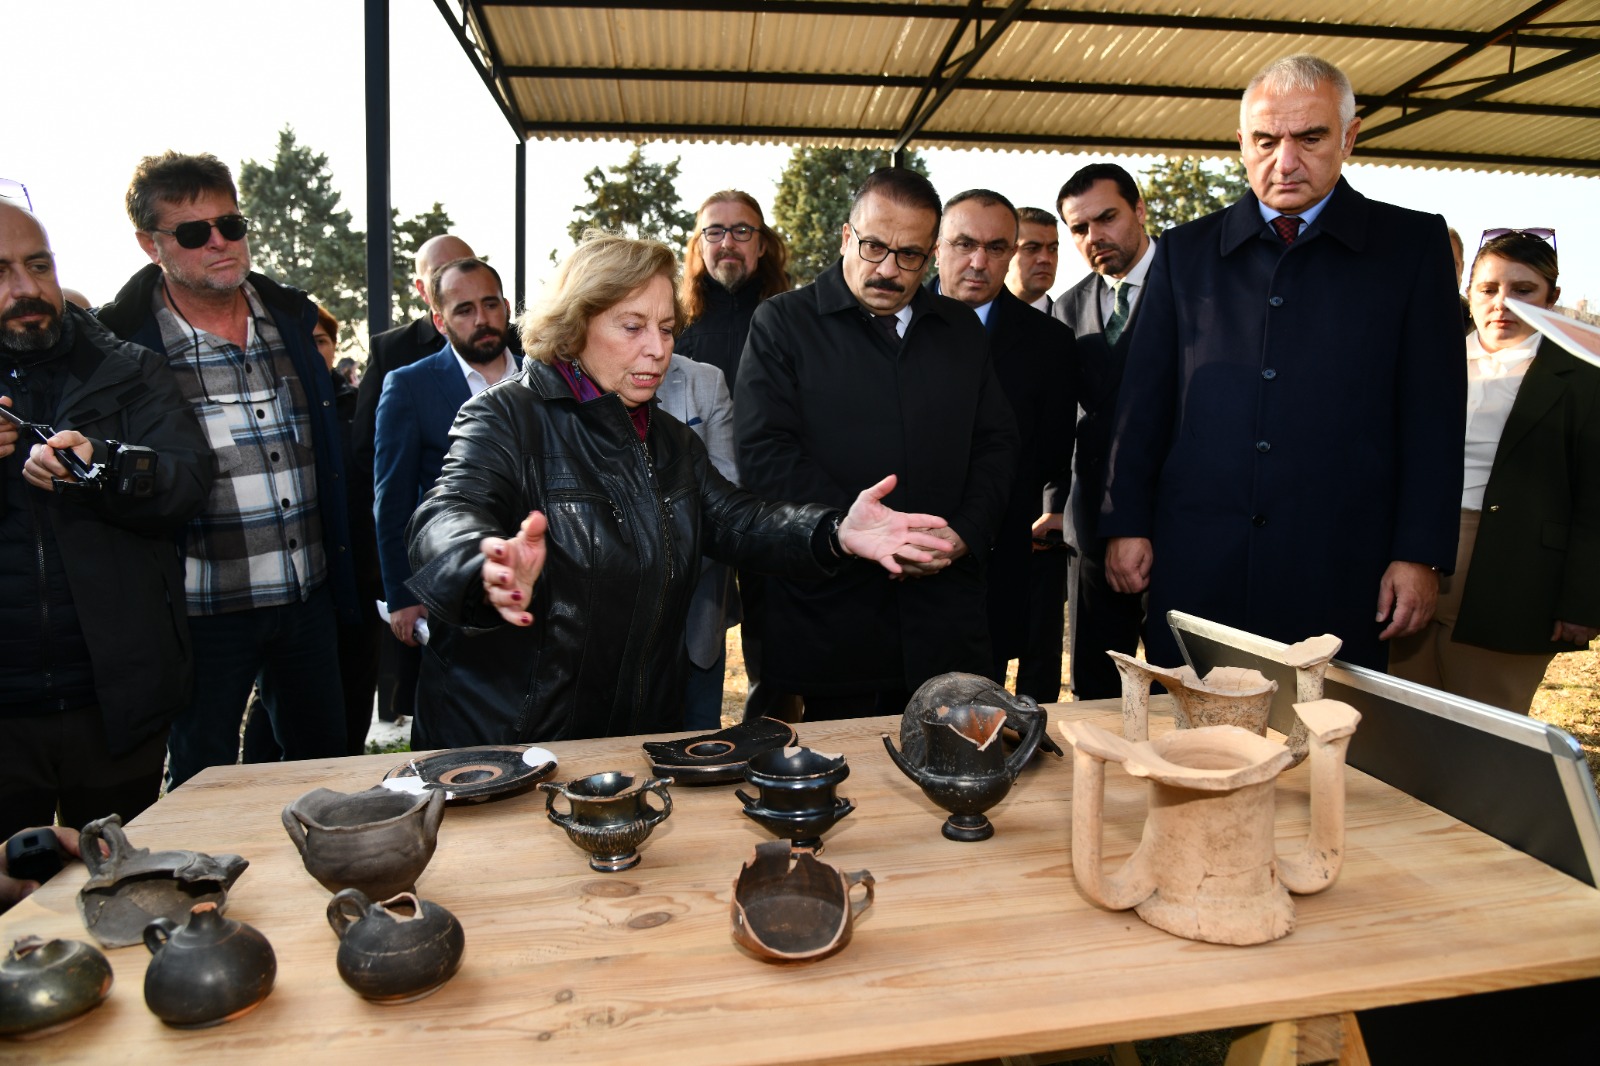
1486	84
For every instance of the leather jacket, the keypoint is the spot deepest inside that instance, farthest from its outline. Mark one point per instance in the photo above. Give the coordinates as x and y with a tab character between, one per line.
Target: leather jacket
628	523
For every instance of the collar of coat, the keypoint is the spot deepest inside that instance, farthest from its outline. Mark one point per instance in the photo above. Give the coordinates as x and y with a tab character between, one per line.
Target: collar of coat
834	297
131	307
1344	219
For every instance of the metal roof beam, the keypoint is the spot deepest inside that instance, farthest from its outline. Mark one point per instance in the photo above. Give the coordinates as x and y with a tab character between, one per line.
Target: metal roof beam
921	113
492	48
478	66
1497	85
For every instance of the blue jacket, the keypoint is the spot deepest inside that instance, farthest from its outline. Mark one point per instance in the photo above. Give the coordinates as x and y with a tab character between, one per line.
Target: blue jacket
129	316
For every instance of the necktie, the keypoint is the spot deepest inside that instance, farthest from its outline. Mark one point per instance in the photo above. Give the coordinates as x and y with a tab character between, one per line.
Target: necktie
1119	311
890	326
1288	227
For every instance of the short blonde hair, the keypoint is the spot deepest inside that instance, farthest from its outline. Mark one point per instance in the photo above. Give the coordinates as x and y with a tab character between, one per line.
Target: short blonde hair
600	273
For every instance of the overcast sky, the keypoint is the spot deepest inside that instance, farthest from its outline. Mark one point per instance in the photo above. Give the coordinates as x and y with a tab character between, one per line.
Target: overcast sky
96	84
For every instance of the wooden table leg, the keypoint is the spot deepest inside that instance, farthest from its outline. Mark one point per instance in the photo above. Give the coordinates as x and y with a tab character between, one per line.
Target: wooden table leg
1326	1038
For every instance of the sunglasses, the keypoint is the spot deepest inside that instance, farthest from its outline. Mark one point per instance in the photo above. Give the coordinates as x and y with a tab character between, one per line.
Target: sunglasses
195	234
1537	233
12	189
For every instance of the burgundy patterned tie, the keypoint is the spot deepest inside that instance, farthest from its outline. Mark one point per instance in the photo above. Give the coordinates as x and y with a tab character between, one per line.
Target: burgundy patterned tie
889	326
1288	227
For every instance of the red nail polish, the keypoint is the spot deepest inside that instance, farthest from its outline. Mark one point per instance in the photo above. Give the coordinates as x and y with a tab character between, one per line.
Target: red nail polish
516	595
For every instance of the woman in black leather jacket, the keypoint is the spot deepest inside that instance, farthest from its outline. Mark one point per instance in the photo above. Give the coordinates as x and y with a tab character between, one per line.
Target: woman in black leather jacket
562	542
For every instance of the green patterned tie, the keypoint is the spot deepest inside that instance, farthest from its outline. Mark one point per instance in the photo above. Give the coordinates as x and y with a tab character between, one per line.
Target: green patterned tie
1119	311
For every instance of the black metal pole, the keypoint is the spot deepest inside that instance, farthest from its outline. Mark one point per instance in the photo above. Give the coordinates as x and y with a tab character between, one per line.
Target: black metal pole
522	226
379	240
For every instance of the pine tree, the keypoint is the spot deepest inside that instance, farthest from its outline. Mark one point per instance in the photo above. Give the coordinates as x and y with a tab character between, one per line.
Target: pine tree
813	202
299	235
1181	189
640	200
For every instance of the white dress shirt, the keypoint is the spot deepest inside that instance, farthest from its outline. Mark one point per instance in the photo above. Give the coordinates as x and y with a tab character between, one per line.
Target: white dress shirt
1493	379
476	382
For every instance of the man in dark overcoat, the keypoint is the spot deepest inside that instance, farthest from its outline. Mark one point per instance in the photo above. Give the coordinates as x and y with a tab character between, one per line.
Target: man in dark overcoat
1032	356
1287	456
864	371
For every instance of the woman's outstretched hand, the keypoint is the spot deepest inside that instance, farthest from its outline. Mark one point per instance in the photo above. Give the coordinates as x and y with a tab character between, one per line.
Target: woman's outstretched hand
888	537
511	567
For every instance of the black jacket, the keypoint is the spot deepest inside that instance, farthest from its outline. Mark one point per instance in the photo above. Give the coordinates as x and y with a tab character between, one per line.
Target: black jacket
717	336
120	556
628	523
827	407
129	316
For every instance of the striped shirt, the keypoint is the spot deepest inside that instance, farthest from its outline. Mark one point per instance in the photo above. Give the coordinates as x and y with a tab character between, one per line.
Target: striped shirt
258	541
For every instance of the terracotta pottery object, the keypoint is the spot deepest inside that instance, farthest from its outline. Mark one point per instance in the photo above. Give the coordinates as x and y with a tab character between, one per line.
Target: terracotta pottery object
789	906
131	887
1206	867
1227	695
953	688
207	971
609	816
46	985
396	951
720	757
378	841
797	794
966	770
1310	659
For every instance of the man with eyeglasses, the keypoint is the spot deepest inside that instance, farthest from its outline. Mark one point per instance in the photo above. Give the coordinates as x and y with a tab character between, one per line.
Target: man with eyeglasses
95	657
1033	360
268	565
1288	442
860	374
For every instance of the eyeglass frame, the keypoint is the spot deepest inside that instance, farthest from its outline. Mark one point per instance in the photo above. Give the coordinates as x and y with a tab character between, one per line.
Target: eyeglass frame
898	253
1538	233
25	197
210	224
726	231
1001	249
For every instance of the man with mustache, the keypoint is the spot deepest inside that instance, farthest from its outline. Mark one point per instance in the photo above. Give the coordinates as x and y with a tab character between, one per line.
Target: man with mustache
418	406
95	658
1033	358
268	569
1105	219
733	262
864	370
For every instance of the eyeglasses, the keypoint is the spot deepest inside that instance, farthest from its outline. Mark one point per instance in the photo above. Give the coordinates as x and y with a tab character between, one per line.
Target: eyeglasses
195	234
1537	233
741	233
993	249
10	189
877	252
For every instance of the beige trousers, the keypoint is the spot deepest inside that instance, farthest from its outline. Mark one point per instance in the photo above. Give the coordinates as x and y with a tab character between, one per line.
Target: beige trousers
1431	658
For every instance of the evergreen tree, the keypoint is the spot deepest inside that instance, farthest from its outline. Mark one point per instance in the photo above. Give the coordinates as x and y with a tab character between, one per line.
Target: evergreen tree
299	235
813	202
1181	189
640	200
407	236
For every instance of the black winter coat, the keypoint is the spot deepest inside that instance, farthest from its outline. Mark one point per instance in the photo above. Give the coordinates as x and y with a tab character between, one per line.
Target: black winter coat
124	571
825	408
628	523
717	336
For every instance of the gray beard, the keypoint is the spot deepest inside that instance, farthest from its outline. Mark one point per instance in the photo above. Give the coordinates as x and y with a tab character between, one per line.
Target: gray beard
730	266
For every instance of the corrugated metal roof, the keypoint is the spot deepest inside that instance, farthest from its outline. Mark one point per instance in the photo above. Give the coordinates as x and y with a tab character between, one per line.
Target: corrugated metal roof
1508	84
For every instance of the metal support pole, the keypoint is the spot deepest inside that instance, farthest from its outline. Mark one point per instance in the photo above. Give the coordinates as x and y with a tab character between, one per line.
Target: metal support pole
898	157
522	226
379	239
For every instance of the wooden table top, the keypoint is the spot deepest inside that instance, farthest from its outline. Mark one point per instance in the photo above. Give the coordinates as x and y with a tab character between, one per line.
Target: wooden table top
971	950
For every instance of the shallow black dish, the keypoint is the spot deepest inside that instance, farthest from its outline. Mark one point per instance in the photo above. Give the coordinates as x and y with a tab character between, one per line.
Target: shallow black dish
471	775
720	757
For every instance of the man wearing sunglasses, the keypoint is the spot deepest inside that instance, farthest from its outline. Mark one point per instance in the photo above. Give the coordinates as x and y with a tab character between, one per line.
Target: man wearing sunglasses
864	373
268	562
95	658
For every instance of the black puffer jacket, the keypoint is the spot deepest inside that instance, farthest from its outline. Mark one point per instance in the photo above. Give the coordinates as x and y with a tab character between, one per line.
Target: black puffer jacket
119	553
718	335
628	522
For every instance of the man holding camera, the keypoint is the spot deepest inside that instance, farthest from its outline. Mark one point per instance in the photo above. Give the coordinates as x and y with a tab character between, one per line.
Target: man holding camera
95	659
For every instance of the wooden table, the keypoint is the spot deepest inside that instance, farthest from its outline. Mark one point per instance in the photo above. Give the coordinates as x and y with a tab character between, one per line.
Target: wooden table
971	950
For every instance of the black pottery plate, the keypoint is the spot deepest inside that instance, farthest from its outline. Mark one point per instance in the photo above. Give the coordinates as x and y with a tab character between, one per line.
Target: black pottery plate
717	758
470	775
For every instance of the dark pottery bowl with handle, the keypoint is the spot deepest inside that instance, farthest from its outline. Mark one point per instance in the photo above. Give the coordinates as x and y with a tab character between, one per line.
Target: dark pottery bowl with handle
397	950
379	840
46	985
948	690
131	886
966	769
797	798
207	971
790	906
609	816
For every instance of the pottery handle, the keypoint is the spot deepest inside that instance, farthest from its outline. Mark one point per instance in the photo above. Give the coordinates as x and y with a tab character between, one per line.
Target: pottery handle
552	790
89	842
435	812
843	807
157	933
346	908
658	785
297	832
1029	745
863	878
745	798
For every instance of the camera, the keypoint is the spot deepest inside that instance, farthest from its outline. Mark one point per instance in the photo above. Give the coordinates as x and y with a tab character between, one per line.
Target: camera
130	470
